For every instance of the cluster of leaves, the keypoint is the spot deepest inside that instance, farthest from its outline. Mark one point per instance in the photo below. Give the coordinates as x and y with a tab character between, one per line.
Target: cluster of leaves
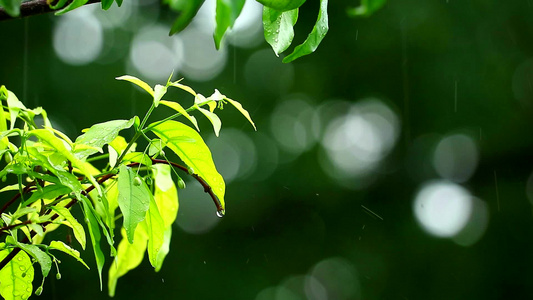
279	18
51	173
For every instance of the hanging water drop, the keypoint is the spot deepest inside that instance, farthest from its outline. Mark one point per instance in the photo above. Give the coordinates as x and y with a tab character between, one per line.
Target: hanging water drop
221	213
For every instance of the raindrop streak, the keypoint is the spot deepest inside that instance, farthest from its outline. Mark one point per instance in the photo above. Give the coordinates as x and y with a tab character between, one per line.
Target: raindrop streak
497	192
25	61
371	213
221	213
356	34
455	105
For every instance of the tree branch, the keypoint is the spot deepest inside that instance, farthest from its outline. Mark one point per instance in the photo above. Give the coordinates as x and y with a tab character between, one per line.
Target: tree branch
33	8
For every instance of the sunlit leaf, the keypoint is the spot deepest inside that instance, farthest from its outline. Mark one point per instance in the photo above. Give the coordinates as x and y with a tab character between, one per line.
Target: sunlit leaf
186	88
177	107
195	155
186	10
133	200
155	228
213	118
70	221
243	111
14	107
58	245
227	12
165	248
17	276
315	37
366	8
278	28
138	82
166	195
129	256
99	135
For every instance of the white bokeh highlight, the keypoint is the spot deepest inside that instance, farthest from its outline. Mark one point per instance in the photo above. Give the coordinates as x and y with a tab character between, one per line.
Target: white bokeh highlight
443	208
78	37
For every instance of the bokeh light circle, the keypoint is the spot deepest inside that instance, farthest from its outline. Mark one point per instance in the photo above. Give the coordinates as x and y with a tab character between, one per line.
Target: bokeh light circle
78	37
442	208
456	157
154	54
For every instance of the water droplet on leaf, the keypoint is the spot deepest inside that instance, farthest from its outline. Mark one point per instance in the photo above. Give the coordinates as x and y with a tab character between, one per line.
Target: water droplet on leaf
137	181
221	213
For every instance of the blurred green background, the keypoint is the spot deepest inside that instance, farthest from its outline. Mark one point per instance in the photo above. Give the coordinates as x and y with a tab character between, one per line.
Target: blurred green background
394	163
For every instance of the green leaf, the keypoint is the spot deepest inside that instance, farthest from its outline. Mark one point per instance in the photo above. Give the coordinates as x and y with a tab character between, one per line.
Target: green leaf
159	92
65	178
129	256
278	28
195	155
177	107
94	233
70	221
227	12
366	8
165	248
99	135
213	118
138	82
243	111
17	276
39	255
73	5
48	192
106	4
58	245
155	228
12	7
315	37
186	9
133	200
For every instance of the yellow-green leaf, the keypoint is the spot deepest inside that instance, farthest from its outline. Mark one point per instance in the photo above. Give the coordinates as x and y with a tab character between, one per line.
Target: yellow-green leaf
243	111
70	221
58	245
138	82
129	256
17	276
177	107
213	118
195	155
155	228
